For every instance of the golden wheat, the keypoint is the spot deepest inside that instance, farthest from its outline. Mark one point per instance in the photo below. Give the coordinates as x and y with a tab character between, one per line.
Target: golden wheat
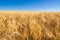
23	25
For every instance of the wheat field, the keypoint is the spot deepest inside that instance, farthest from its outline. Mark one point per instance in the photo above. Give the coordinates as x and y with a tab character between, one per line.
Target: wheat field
28	25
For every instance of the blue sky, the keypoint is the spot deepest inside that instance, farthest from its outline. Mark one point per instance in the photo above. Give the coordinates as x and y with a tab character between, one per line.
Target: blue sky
38	5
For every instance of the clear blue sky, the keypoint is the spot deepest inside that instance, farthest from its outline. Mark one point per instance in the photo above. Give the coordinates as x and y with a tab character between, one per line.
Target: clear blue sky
39	5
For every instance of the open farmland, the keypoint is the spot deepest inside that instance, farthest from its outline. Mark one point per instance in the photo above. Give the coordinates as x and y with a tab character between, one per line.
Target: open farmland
28	25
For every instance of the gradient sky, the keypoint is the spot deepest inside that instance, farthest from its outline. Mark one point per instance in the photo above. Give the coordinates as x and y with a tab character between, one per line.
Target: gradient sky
38	5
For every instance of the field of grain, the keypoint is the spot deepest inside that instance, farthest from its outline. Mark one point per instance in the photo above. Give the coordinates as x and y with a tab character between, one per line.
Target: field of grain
28	25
